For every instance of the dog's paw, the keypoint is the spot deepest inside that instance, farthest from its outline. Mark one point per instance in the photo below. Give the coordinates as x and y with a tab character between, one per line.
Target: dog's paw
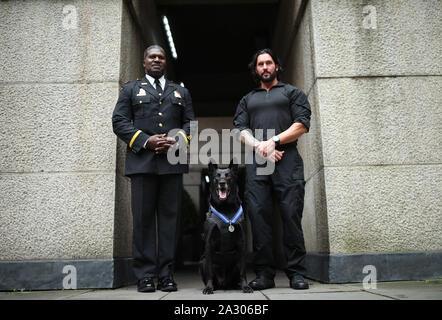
208	290
247	289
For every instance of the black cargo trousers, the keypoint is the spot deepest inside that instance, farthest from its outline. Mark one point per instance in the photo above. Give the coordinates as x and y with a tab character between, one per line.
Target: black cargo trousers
285	186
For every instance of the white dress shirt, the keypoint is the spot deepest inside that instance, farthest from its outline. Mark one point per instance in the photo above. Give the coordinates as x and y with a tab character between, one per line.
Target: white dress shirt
152	81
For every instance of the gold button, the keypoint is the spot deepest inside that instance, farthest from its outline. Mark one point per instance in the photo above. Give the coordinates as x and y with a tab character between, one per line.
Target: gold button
160	113
160	124
141	101
161	102
159	94
179	103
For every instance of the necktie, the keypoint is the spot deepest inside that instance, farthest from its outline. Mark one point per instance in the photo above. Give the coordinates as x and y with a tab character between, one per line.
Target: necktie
158	86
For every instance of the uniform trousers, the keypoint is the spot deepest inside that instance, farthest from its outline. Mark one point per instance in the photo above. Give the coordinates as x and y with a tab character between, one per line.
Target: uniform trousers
286	187
156	210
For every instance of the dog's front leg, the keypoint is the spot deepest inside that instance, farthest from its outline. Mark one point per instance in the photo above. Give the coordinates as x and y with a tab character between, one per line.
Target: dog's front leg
243	278
208	268
243	272
209	274
209	287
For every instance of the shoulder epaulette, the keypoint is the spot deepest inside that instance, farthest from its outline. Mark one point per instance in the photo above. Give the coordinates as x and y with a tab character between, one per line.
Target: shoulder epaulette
125	83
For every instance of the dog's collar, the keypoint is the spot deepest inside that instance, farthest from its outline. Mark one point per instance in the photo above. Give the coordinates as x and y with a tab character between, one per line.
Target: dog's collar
224	218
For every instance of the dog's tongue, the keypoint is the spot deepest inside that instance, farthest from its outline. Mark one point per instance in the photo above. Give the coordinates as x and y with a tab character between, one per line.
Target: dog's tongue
222	194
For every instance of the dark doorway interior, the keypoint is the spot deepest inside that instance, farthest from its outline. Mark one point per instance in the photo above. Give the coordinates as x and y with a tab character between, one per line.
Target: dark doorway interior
214	44
214	41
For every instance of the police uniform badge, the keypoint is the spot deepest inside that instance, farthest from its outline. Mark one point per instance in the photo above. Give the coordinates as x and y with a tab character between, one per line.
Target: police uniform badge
142	92
177	94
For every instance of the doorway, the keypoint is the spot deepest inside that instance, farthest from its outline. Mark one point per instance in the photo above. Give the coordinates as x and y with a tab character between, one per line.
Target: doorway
214	42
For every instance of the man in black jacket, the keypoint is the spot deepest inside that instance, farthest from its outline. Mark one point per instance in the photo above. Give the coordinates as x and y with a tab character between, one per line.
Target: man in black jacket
284	109
146	111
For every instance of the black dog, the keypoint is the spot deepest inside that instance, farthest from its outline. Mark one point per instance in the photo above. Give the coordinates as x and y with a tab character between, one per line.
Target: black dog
223	264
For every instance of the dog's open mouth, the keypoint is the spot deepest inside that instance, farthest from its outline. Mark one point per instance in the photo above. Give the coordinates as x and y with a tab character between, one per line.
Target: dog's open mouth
223	193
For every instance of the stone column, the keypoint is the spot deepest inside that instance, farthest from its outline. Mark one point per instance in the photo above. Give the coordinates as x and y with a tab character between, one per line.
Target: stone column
60	77
373	162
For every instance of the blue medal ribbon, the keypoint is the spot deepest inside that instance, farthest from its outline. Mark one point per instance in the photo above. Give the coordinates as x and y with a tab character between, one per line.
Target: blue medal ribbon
224	218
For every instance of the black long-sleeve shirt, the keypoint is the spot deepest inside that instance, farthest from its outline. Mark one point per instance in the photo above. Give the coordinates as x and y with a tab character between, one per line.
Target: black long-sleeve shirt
276	109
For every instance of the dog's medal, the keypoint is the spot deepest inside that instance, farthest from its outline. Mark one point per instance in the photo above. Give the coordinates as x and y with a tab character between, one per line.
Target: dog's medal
231	228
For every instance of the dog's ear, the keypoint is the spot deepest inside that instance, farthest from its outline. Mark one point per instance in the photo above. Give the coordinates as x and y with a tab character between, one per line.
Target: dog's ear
233	166
212	167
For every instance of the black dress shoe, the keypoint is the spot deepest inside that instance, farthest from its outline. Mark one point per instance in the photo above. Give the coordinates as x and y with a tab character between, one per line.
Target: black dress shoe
167	284
298	282
146	285
262	283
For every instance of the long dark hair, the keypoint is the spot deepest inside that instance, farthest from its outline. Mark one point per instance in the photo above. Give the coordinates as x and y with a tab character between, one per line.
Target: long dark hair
252	64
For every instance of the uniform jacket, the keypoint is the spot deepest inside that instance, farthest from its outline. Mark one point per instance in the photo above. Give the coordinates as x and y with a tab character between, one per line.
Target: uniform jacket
141	112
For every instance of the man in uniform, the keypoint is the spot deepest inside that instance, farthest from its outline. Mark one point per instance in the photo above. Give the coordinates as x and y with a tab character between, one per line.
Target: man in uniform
146	110
284	109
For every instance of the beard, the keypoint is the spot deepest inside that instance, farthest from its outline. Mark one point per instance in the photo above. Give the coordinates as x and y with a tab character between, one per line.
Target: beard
268	79
155	74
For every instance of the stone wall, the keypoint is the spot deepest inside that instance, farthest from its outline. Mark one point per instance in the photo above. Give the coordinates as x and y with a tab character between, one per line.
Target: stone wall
372	157
64	198
378	93
59	82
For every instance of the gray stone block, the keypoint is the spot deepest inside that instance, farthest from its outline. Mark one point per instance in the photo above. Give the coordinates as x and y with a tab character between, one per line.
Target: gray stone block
299	68
383	208
375	121
347	268
310	144
287	13
57	216
57	127
314	221
50	274
406	40
41	43
123	218
389	267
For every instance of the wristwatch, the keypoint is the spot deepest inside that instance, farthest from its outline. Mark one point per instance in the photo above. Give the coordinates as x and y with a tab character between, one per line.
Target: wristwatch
276	140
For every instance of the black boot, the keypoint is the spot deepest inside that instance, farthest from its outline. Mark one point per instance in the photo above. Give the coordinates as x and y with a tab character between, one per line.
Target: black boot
146	285
167	284
298	282
261	283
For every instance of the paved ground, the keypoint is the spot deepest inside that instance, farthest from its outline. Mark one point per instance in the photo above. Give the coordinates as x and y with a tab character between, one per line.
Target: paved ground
190	287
